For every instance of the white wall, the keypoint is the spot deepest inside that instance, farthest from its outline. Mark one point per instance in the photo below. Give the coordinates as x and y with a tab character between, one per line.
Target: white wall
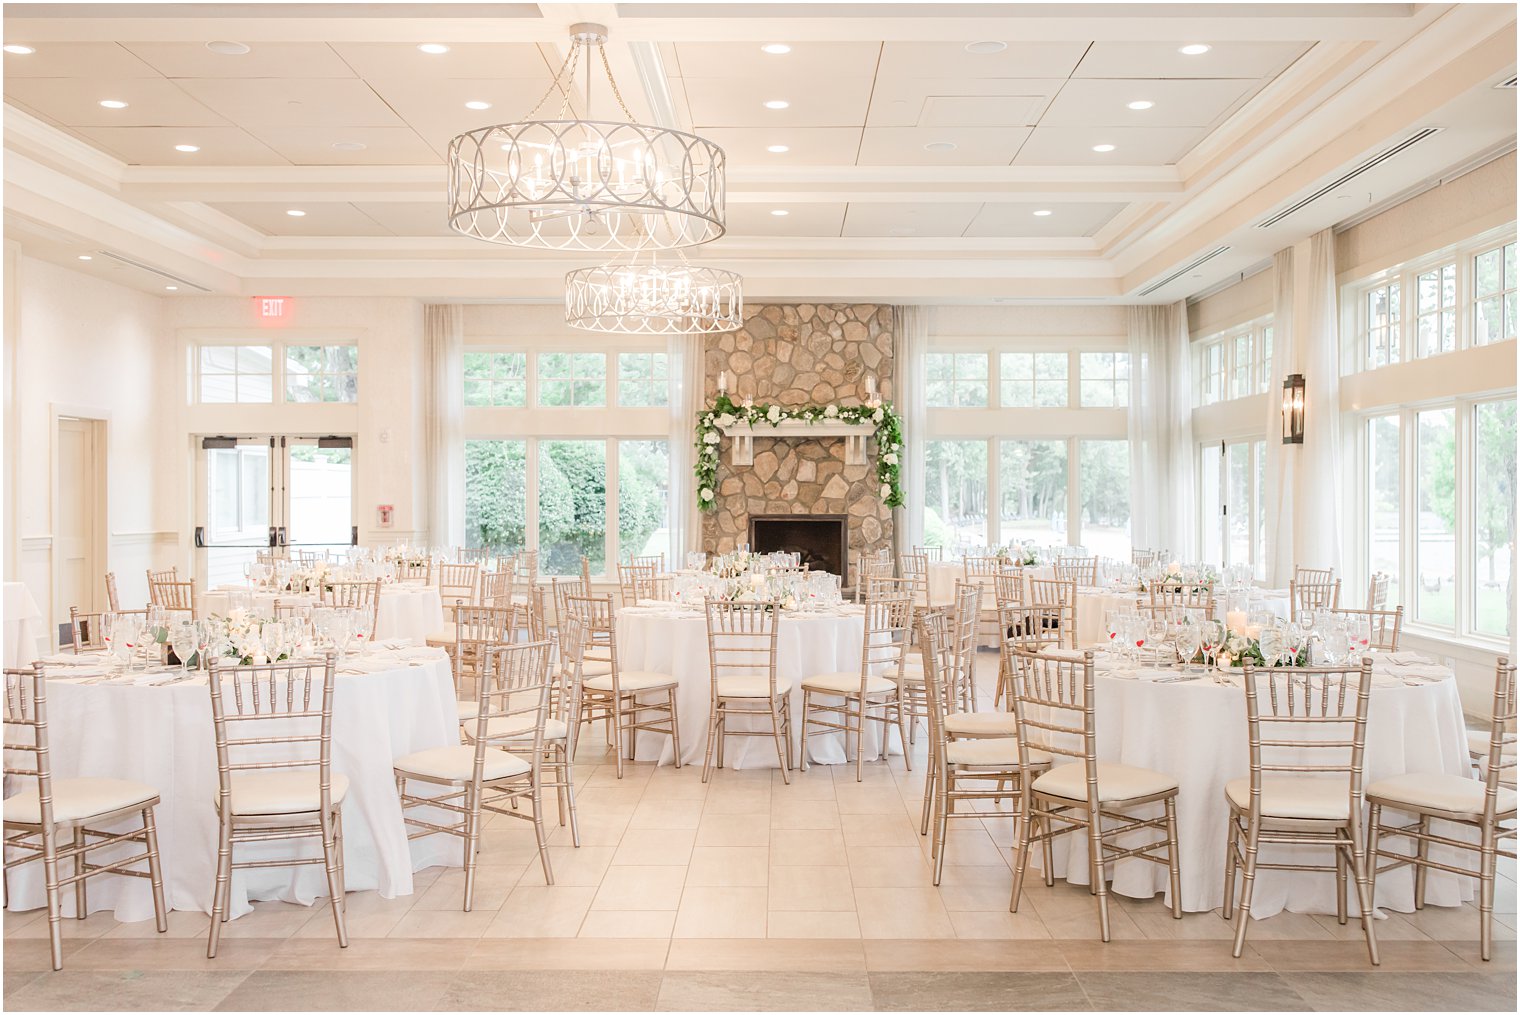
87	347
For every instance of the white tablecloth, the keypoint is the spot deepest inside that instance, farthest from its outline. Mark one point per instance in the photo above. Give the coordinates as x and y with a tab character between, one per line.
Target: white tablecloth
406	610
403	701
24	627
660	640
1195	731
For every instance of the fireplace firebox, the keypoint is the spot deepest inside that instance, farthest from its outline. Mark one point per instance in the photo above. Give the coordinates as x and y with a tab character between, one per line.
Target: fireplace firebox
822	540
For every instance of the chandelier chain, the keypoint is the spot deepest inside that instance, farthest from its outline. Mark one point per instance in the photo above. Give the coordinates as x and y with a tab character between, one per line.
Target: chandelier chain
575	49
613	82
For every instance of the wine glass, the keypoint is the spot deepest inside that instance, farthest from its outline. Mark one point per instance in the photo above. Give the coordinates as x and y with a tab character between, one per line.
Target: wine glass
1113	624
1156	631
1360	631
1270	641
1188	638
1337	644
272	634
340	629
185	640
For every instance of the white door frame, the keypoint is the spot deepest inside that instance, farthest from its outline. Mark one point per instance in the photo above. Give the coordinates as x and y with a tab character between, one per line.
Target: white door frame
101	420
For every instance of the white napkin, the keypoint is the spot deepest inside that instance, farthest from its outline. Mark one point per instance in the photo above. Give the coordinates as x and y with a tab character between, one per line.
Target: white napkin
1405	658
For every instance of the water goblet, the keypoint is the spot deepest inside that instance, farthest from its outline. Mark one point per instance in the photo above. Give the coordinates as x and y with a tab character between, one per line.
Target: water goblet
1270	641
1188	638
184	640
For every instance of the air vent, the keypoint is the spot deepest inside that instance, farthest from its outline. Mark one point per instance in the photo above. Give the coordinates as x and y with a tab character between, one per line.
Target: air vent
1506	84
161	273
1372	163
1185	269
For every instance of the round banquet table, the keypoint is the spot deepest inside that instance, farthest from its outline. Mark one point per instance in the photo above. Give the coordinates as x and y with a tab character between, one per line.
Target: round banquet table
1093	605
386	704
661	639
24	627
406	610
1195	731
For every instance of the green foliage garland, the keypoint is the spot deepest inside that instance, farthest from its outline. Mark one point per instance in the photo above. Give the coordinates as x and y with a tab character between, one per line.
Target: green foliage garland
726	412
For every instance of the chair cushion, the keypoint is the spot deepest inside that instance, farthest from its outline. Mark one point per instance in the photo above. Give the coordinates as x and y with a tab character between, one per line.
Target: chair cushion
982	724
1420	791
595	667
1115	782
77	799
757	685
1478	744
631	680
847	683
1002	752
1295	796
457	764
444	637
600	654
292	792
467	709
517	727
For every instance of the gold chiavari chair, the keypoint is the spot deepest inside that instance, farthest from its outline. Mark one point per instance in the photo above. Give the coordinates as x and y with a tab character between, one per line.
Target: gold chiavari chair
168	574
306	558
497	589
415	572
1486	805
1377	591
628	575
1382	626
622	697
932	553
474	554
1144	558
44	808
499	770
741	650
266	557
910	564
870	568
660	587
361	597
882	647
1056	599
1082	570
596	643
527	566
113	599
654	560
85	633
459	581
477	630
961	767
1178	600
1308	596
1008	589
173	596
1307	728
1054	703
256	711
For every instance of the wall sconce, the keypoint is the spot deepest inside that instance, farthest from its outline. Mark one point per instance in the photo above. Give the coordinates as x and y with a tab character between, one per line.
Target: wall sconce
1293	409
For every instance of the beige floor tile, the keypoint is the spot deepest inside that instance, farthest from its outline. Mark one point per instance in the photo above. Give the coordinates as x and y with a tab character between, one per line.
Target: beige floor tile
535	911
868	798
800	889
968	844
889	867
728	866
172	953
1159	956
879	830
190	924
596	830
812	925
576	953
684	783
1351	956
999	924
93	926
773	954
655	846
629	923
807	847
655	812
732	830
964	956
641	888
492	886
745	800
442	952
817	783
426	924
902	913
582	868
809	814
721	912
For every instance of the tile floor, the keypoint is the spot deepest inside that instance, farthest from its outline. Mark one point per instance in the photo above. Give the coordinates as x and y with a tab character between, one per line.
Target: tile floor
749	894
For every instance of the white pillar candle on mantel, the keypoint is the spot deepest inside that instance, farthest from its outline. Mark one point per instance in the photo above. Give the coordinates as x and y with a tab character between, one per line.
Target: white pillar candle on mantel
722	382
870	387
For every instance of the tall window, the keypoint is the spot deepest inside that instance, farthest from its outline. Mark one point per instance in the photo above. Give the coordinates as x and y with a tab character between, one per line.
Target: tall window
956	379
955	481
321	373
1212	373
496	379
1037	379
1235	363
1494	295
642	379
1493	566
1105	379
235	373
1104	491
572	506
572	378
1032	483
644	499
1382	347
1436	517
1436	310
496	494
1384	501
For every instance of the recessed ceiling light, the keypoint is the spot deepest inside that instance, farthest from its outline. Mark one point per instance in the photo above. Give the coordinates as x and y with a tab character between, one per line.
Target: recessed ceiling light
986	46
187	147
295	213
1141	104
777	149
777	48
113	103
172	288
1194	49
1042	212
940	146
16	49
433	48
1103	147
86	257
477	104
227	48
780	212
349	146
777	104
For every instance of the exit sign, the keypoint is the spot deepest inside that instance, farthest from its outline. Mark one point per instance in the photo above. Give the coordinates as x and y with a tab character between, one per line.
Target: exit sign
272	306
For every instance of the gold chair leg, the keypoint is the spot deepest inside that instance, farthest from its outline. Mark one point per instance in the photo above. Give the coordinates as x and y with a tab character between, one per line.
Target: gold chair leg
1173	861
155	871
777	736
1247	884
81	898
1363	886
54	904
675	727
330	846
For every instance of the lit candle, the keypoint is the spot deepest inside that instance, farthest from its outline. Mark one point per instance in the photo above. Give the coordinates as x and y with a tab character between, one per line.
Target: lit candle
722	382
1235	620
870	387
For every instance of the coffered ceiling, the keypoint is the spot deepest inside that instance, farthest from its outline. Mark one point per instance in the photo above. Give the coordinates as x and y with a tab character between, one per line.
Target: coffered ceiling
921	152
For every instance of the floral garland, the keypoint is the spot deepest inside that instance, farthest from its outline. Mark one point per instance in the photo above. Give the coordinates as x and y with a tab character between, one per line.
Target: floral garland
725	413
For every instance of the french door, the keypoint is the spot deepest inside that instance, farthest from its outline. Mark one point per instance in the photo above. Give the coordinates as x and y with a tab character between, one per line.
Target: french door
270	492
1230	484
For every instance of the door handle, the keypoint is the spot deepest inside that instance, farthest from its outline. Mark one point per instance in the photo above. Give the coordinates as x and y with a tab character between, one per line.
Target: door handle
200	536
282	536
273	537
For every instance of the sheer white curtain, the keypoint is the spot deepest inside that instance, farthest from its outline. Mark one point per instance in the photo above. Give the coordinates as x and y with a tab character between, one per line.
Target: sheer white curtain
1317	521
912	333
443	339
1161	430
686	353
1280	464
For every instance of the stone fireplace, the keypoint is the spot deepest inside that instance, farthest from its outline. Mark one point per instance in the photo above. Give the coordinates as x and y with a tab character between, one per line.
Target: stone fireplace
795	355
821	541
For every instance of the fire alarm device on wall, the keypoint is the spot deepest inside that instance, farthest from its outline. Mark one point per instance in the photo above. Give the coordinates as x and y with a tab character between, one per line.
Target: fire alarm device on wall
385	515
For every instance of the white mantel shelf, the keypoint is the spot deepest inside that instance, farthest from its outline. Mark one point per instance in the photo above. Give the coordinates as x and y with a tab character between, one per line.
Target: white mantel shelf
742	451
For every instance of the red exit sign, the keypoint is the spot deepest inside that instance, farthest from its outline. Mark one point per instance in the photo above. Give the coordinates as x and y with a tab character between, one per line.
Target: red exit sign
272	307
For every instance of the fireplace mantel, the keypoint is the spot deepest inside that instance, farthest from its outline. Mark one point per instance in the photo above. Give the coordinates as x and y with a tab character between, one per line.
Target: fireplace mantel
742	451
